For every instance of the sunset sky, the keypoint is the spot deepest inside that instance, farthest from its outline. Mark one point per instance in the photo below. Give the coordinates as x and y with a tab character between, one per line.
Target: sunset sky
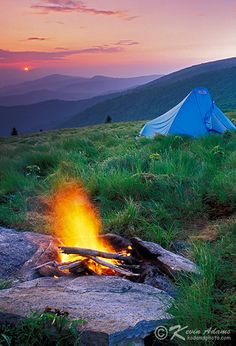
116	38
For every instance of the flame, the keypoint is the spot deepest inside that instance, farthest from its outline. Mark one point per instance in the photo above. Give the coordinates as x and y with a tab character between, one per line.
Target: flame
76	222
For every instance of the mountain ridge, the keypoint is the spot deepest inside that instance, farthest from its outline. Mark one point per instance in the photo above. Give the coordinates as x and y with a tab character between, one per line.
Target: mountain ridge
157	97
70	88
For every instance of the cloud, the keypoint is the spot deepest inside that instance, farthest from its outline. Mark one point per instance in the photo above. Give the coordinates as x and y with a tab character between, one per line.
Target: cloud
36	39
7	56
61	48
47	6
127	43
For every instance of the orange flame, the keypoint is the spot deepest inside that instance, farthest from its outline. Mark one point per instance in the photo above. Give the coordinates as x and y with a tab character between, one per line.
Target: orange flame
75	221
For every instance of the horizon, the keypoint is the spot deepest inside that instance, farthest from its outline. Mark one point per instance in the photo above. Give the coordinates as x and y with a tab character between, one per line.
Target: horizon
88	38
21	77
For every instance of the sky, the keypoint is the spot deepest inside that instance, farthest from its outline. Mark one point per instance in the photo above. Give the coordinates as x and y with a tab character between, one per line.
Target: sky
115	38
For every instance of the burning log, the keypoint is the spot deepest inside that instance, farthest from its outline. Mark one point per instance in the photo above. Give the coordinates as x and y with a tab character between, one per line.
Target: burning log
49	270
117	242
69	266
129	266
95	253
82	268
117	269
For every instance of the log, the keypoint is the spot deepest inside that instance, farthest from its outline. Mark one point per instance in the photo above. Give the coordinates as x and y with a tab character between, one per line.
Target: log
129	266
169	262
50	263
68	266
95	253
48	270
117	242
82	268
118	270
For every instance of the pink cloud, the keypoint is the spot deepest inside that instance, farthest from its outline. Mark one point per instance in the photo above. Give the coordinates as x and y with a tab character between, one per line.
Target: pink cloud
7	56
36	39
46	6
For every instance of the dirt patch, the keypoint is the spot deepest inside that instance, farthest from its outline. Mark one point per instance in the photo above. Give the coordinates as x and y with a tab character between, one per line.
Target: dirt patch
217	209
207	230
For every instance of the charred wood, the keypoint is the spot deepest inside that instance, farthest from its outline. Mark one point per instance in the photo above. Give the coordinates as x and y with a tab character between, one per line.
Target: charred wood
95	253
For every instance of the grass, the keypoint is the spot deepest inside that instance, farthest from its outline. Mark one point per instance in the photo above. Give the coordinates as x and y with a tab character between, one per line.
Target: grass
48	328
159	189
4	284
208	300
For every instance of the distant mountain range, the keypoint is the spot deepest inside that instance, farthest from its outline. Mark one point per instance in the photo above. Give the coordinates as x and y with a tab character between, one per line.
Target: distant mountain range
155	98
45	115
60	87
135	103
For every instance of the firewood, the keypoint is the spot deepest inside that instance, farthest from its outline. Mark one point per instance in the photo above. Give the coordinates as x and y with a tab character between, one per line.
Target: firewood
167	261
83	268
50	263
129	266
114	267
95	253
68	266
117	242
49	270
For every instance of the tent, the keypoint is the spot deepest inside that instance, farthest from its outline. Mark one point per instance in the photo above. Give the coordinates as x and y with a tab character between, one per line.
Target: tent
196	115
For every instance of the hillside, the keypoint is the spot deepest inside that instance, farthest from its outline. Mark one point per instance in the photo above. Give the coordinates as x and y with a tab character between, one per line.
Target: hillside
66	88
157	97
177	191
41	116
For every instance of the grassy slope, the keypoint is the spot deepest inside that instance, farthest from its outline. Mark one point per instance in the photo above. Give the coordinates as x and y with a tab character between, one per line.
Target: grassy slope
161	189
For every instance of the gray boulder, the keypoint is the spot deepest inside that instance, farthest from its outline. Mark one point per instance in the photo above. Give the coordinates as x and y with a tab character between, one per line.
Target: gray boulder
20	252
116	311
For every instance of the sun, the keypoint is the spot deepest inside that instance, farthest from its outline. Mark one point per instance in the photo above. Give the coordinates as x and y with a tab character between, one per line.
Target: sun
26	69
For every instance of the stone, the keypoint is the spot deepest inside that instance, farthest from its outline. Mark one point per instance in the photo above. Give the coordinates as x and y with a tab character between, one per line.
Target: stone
20	252
168	261
181	247
117	312
151	275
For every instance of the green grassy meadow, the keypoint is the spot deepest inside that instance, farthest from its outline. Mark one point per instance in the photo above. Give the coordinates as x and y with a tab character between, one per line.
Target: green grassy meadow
164	189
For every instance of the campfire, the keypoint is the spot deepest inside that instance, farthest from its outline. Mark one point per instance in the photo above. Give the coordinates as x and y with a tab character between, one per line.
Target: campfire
84	250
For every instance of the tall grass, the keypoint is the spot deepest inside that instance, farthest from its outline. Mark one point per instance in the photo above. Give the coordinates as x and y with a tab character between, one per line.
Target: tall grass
174	173
48	328
207	300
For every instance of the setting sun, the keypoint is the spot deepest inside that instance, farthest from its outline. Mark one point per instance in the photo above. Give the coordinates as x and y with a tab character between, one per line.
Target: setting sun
26	68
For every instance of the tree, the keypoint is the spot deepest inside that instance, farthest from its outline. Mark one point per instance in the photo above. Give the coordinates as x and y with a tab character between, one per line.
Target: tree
108	119
14	132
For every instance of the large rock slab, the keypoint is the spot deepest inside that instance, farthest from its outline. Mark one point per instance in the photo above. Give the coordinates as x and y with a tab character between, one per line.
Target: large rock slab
168	261
117	311
20	252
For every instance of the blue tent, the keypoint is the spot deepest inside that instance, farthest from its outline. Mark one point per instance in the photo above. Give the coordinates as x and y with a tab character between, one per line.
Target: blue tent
196	115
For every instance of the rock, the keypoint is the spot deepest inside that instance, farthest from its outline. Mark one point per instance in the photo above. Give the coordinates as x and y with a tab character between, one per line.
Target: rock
169	262
117	311
20	252
151	275
181	247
